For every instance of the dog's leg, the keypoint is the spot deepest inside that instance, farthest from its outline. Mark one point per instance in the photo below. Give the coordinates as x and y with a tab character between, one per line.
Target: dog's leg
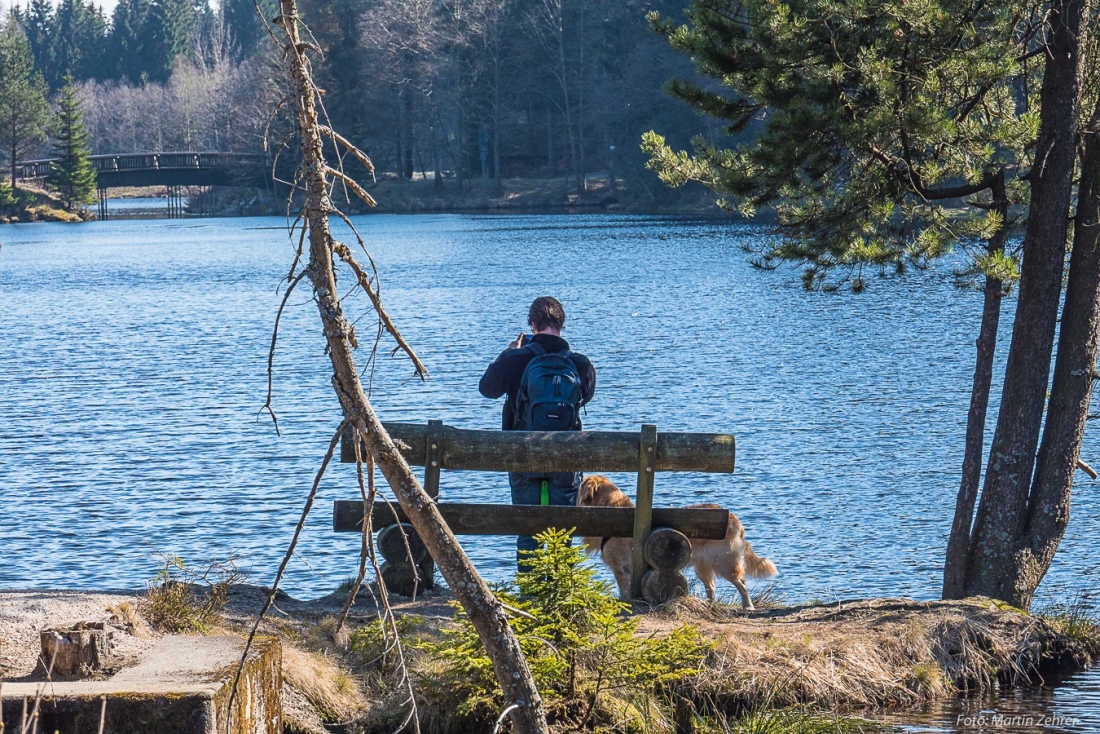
706	575
746	600
622	578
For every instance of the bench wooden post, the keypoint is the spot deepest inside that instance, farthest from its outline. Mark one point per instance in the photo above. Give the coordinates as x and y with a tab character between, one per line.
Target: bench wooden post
643	513
433	454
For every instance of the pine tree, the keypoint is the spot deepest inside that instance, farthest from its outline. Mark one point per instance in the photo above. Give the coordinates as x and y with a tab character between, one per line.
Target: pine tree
71	174
24	111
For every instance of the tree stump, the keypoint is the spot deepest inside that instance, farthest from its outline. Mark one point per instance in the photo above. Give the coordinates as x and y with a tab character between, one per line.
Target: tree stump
667	549
659	586
391	544
74	649
400	578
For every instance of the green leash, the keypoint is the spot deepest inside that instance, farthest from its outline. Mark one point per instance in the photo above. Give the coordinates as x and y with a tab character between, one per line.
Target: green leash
545	493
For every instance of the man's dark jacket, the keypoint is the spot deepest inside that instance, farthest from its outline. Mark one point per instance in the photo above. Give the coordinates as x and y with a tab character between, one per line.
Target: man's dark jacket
503	376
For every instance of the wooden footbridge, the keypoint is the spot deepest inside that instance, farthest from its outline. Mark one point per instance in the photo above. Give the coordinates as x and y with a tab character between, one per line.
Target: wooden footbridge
661	534
174	171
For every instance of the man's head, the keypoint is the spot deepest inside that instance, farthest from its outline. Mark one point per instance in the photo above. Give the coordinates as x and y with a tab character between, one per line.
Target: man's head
546	316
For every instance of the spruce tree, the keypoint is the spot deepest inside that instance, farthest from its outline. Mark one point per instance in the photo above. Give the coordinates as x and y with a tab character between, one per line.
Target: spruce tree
38	24
71	174
126	42
167	33
79	42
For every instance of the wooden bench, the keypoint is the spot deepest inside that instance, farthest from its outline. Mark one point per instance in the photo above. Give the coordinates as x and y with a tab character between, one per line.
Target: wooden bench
660	533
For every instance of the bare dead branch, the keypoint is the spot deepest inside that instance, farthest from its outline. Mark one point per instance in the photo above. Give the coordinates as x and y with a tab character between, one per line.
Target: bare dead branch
351	148
282	566
364	282
485	612
271	351
367	534
351	184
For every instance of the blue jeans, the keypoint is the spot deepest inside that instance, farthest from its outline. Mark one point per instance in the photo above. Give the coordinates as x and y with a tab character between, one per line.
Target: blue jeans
527	490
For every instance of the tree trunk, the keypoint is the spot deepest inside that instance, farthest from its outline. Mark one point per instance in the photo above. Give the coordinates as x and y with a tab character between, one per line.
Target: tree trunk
582	172
484	610
437	163
954	570
398	160
498	115
1074	369
549	140
14	153
407	132
1002	513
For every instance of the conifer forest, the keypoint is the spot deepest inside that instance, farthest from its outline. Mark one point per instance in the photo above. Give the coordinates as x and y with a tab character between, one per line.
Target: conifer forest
481	89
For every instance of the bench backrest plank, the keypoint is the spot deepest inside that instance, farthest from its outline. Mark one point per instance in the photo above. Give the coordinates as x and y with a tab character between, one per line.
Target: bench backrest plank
556	451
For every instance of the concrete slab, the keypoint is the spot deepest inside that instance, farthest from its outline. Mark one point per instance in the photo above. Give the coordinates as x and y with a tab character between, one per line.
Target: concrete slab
181	685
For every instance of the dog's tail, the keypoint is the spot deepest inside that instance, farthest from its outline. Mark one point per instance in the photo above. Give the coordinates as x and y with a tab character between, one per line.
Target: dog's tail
755	566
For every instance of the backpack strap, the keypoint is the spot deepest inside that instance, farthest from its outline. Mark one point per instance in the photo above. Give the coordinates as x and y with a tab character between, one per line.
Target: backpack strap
540	350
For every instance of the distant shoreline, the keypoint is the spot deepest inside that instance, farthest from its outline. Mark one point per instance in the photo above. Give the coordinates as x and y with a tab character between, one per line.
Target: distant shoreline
424	196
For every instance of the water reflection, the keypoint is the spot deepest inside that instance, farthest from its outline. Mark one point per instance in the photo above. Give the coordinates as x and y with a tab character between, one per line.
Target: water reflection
1068	705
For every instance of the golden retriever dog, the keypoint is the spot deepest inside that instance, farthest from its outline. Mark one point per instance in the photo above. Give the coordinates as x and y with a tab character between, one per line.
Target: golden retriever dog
729	558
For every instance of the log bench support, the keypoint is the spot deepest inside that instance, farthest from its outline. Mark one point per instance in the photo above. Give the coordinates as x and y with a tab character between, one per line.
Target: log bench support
662	545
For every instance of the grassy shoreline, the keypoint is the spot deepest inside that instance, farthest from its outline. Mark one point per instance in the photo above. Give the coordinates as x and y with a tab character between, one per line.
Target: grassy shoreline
812	667
31	204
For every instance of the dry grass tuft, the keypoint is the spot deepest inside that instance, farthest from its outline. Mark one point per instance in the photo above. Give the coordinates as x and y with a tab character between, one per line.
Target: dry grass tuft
126	615
189	598
860	654
332	691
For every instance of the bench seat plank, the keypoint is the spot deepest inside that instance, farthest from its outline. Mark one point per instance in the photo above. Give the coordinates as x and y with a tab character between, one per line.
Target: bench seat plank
485	519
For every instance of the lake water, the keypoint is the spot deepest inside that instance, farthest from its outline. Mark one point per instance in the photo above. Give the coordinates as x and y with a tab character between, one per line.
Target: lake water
132	372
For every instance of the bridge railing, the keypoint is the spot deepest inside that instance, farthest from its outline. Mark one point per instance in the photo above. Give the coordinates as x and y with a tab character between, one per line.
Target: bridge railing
33	169
145	161
149	161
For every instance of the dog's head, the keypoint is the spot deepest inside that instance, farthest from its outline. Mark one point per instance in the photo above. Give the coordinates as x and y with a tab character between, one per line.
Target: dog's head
590	487
597	491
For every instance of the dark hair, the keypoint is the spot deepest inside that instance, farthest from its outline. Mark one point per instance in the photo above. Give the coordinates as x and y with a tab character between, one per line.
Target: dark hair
545	312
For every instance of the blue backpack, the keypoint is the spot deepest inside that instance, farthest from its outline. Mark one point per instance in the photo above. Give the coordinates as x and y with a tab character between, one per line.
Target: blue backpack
549	392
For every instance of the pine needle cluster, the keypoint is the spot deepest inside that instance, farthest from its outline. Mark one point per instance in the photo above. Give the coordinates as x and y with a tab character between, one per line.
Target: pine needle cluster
875	130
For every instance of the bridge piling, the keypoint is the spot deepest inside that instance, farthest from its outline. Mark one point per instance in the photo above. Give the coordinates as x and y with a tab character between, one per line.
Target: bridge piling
175	201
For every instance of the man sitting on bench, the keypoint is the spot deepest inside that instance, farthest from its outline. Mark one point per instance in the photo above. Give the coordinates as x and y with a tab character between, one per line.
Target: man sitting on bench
546	385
